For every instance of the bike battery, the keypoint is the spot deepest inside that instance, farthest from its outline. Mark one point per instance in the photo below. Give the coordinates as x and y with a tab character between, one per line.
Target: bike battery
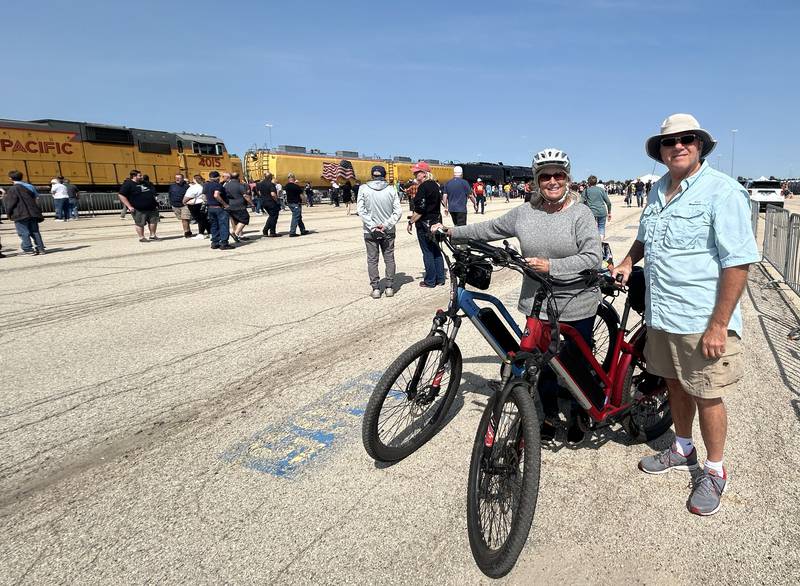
498	329
582	373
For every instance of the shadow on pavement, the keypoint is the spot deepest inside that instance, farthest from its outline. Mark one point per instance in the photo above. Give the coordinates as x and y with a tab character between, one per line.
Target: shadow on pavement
400	279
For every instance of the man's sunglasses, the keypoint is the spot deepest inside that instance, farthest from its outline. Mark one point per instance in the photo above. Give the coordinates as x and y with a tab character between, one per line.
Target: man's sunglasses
673	140
558	176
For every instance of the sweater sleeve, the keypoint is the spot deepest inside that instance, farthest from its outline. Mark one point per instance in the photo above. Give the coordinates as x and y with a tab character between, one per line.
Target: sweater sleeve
397	211
607	201
502	227
587	239
10	202
361	210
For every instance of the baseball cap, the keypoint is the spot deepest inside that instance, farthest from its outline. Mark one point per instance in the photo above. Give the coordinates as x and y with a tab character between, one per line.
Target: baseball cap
421	166
378	171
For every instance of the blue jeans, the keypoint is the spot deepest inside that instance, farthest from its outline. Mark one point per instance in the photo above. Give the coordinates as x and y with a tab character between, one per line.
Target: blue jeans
601	225
73	207
28	229
297	218
62	208
431	257
259	204
220	221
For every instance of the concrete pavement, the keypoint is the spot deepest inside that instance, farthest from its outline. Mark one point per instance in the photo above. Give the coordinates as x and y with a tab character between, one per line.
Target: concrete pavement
176	414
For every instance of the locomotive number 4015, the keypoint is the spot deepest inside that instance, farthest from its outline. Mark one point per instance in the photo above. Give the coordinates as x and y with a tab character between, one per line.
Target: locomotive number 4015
210	162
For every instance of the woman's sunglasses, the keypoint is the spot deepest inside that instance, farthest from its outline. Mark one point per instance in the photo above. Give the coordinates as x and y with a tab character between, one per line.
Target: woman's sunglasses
558	176
673	140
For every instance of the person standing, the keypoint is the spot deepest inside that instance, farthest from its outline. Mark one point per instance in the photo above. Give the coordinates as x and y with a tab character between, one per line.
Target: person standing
427	202
281	196
74	197
238	200
139	198
639	187
294	195
454	197
218	218
479	189
193	199
596	198
507	190
697	242
23	209
347	196
309	191
378	206
269	194
177	191
335	193
60	199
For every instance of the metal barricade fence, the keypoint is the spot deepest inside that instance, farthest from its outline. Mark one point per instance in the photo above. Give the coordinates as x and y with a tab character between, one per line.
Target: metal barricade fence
782	244
93	204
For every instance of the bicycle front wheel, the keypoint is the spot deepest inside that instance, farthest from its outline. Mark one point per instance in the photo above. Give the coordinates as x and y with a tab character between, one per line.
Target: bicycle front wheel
411	400
503	482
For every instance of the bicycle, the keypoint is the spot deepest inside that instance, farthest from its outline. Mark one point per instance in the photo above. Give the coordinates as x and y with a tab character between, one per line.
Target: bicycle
412	398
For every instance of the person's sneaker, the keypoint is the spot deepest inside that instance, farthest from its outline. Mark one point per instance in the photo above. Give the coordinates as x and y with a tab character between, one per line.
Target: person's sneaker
40	251
154	237
199	237
389	292
667	460
143	240
244	237
188	235
547	431
293	235
376	293
305	232
214	246
707	492
235	237
30	252
274	235
226	246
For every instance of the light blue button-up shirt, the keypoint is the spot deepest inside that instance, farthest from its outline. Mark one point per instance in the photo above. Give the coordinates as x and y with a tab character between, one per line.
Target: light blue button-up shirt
704	229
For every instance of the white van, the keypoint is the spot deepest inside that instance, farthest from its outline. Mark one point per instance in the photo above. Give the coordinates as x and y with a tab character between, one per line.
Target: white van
765	192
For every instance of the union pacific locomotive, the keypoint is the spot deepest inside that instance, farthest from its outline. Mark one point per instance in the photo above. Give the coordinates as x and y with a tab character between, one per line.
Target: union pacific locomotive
310	167
98	157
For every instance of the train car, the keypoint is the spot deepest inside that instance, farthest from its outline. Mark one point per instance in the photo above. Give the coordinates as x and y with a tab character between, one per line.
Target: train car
309	167
98	157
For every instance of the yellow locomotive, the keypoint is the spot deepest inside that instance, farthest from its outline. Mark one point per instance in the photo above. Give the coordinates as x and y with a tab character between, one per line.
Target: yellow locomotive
311	167
98	157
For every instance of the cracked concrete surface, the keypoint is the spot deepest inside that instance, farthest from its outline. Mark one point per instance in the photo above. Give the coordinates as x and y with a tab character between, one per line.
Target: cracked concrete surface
129	369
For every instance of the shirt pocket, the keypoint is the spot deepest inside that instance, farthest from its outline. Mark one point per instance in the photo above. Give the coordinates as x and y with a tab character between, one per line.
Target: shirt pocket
688	227
648	221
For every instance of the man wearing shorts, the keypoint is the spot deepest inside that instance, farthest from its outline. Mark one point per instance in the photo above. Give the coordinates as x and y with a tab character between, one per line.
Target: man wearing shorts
176	193
697	243
139	198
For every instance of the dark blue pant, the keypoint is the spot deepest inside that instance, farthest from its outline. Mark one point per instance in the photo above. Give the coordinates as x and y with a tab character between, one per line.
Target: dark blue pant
220	221
62	208
548	383
431	257
297	218
27	229
271	226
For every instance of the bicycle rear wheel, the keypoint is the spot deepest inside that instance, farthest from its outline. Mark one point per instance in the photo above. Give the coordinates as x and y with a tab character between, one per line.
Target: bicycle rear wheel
604	334
503	482
650	416
411	400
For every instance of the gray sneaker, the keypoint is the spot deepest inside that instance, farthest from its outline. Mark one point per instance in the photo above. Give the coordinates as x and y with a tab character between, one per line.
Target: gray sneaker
707	493
667	460
389	292
376	293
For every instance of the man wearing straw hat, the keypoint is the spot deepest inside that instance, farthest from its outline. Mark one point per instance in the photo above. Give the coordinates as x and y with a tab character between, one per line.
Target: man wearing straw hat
697	242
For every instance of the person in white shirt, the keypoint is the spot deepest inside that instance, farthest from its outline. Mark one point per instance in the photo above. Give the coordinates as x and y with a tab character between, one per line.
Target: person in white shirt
60	200
193	199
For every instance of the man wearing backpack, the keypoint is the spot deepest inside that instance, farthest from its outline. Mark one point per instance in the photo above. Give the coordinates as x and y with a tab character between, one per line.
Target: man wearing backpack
479	189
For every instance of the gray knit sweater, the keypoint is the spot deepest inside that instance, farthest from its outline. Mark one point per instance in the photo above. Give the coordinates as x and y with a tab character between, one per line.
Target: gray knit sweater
569	239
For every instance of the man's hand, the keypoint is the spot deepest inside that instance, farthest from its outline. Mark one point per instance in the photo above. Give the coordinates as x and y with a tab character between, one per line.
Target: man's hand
408	228
623	269
713	341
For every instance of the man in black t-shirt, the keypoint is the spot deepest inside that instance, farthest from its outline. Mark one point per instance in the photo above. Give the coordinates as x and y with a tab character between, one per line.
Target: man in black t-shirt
217	206
294	199
269	195
139	197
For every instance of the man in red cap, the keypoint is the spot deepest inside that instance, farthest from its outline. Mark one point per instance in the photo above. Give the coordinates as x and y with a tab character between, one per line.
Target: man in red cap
427	204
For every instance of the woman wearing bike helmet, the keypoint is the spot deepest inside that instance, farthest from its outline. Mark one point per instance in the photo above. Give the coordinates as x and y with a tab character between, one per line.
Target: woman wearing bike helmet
558	236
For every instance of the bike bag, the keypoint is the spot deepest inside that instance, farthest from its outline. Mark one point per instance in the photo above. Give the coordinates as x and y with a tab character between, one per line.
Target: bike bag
636	289
479	274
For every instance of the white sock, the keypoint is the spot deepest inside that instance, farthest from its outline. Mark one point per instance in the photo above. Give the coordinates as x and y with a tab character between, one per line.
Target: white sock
683	445
716	467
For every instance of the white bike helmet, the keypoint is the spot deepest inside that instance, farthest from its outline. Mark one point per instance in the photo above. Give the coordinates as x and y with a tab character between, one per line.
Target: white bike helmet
550	158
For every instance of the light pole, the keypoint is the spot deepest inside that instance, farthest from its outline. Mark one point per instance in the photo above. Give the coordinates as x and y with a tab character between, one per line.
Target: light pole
733	149
719	162
268	126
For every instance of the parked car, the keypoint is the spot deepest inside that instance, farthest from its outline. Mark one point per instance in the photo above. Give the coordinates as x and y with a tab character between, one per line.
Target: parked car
765	192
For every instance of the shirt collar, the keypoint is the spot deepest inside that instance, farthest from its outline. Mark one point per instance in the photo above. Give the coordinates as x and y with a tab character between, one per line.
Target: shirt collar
685	184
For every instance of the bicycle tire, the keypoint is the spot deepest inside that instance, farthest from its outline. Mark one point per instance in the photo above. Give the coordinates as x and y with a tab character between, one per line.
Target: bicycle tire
604	335
421	431
496	558
637	424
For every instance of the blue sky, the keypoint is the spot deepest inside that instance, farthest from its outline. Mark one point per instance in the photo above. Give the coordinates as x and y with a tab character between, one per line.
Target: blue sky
491	81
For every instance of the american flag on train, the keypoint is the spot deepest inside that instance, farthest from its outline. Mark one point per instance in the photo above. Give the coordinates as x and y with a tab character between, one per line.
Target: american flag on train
332	171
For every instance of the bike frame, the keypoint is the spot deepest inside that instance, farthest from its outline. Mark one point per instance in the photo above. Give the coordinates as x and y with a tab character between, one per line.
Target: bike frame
603	403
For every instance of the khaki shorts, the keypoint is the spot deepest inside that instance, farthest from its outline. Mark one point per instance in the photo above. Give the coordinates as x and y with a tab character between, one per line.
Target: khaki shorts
182	213
680	356
142	217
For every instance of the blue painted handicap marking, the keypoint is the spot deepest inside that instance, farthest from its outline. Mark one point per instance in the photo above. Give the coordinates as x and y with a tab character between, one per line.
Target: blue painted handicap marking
284	448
